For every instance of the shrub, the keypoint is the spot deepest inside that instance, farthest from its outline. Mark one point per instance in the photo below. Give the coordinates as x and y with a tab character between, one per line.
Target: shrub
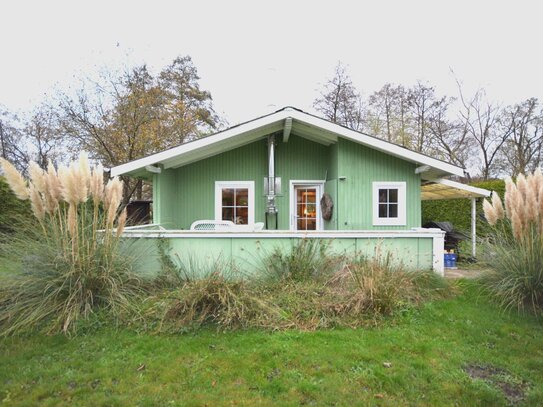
307	259
458	211
353	295
71	260
515	247
215	299
380	286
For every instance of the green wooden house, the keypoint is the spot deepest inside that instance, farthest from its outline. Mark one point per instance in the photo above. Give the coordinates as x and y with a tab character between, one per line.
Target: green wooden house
291	175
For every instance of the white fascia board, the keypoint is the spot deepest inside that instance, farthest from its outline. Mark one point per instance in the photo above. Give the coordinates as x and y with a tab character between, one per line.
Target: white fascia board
280	116
474	191
378	144
158	158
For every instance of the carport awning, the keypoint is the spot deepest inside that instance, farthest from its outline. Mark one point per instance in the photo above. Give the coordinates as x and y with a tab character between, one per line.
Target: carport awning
447	189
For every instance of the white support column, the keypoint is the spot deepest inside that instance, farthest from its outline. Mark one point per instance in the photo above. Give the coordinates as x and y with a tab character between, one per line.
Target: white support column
474	227
437	248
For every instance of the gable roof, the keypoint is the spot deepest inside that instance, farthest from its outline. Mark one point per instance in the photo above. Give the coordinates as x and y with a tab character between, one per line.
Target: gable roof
288	120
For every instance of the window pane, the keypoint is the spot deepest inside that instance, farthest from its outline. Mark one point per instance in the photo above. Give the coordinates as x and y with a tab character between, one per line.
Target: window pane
242	197
311	224
311	196
300	195
228	214
227	197
393	210
301	224
383	195
383	211
242	216
311	211
393	195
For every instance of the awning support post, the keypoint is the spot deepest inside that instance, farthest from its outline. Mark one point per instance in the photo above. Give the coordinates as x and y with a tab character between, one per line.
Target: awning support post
473	227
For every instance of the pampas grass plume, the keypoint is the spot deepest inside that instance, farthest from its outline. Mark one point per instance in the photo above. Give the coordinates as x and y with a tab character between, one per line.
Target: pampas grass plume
522	185
530	209
121	222
84	169
498	206
37	176
112	198
15	180
516	223
36	202
490	213
97	184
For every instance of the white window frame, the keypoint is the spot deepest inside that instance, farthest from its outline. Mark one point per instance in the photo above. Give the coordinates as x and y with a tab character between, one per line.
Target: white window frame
319	184
401	220
250	185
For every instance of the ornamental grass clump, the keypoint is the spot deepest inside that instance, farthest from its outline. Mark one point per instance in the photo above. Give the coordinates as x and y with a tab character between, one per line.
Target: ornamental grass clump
70	260
515	245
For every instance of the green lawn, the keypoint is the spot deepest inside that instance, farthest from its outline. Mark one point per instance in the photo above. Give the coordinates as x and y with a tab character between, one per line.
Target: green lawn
430	352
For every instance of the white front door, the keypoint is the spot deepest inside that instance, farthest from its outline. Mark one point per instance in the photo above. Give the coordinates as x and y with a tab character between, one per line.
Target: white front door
305	206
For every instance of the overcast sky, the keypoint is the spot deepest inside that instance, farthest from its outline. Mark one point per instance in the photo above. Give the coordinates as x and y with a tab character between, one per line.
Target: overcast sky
256	56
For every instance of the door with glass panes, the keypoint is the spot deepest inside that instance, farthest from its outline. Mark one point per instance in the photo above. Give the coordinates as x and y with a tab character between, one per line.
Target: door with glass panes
306	207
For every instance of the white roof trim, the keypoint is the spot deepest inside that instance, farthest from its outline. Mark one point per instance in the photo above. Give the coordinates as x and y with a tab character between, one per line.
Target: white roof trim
452	190
253	126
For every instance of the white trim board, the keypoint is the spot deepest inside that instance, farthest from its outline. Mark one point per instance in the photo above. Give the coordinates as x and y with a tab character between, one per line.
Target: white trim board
259	128
271	234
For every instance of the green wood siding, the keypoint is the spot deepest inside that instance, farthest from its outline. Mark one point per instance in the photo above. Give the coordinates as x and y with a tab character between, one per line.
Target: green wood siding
164	198
361	166
186	194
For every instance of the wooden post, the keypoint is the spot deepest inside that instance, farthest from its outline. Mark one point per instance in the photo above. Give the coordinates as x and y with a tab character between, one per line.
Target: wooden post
474	227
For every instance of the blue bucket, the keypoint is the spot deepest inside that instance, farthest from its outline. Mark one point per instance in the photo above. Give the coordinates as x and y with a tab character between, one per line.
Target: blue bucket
450	260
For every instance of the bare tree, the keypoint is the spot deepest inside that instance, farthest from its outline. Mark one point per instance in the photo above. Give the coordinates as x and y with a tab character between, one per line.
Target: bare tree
523	147
12	147
43	135
340	102
34	137
388	114
451	136
484	122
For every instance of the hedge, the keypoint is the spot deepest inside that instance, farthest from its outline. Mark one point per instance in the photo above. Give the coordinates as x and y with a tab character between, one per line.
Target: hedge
458	211
12	210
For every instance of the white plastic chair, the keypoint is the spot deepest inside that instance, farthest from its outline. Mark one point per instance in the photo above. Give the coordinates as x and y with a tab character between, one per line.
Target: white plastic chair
212	225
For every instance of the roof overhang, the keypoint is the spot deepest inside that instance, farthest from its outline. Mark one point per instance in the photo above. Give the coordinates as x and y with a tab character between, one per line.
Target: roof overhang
287	120
447	189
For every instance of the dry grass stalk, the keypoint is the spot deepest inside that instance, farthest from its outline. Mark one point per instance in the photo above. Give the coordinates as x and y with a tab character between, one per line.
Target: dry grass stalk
15	180
72	220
